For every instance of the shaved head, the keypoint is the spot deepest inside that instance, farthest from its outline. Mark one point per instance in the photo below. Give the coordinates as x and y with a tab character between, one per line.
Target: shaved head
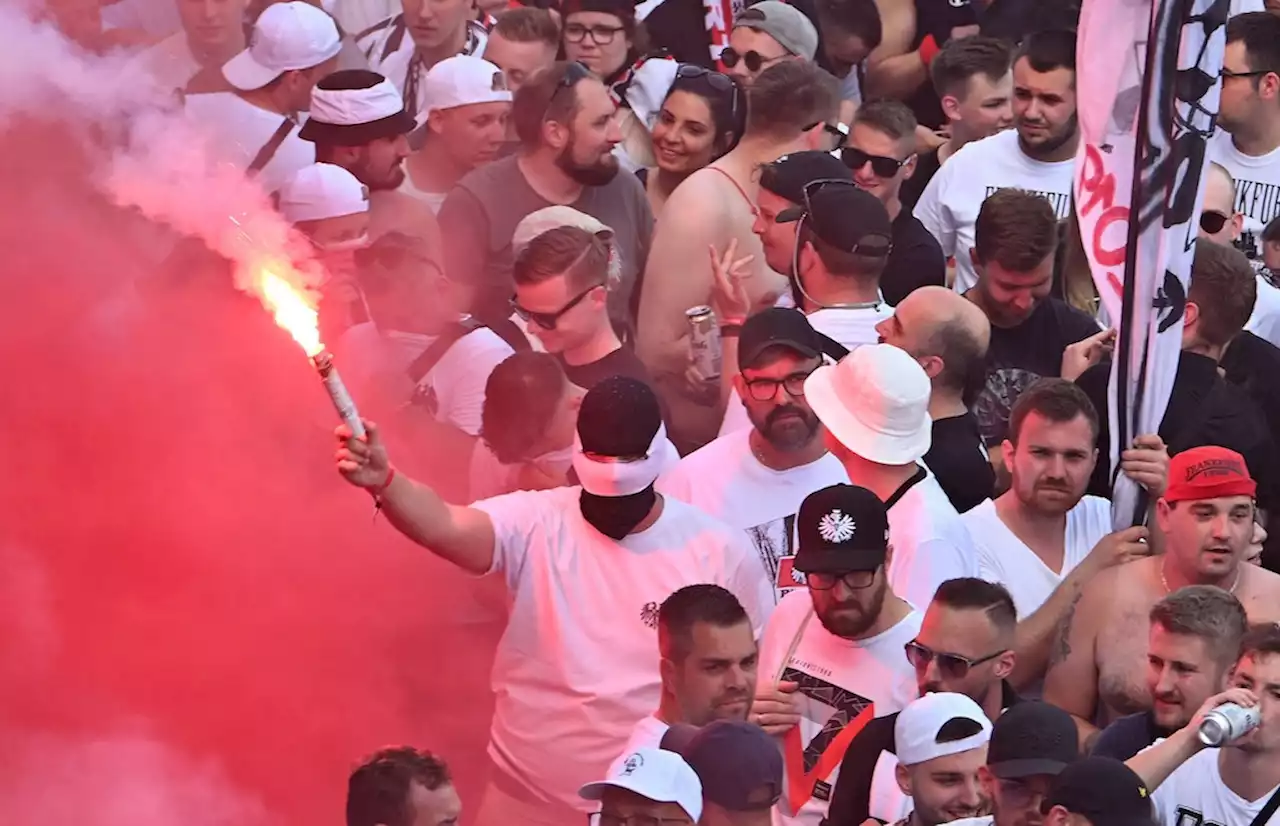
945	332
1220	198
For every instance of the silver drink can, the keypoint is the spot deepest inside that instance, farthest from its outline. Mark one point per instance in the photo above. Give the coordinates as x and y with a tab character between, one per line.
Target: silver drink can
704	342
1228	722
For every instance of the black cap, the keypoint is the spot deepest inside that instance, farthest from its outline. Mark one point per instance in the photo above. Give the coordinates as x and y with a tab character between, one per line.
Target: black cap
1032	738
777	327
841	529
739	765
1105	791
848	218
619	417
789	175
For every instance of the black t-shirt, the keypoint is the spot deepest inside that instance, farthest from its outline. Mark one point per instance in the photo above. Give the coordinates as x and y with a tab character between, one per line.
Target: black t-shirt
936	19
1127	736
1203	410
1018	356
1253	365
1012	20
851	801
679	27
959	461
927	165
915	260
621	362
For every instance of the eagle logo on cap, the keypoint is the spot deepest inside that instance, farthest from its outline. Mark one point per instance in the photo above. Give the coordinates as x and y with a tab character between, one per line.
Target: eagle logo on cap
632	763
837	527
649	614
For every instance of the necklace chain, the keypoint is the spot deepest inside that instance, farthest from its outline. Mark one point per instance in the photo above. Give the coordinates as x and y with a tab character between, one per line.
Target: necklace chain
1231	590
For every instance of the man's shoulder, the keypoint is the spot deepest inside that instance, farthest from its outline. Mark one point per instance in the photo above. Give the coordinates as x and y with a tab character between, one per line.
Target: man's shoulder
487	180
382	29
983	150
1074	323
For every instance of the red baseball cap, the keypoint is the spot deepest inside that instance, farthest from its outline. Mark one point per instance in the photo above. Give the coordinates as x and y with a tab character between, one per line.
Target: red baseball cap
1208	473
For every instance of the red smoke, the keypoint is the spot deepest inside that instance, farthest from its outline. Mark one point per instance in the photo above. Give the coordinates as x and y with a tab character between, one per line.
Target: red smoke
198	618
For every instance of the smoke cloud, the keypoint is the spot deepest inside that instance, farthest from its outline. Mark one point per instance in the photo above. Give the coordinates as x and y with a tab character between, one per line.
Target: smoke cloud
202	624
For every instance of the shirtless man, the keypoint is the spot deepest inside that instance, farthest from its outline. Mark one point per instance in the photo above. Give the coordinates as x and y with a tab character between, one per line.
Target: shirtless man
714	206
1206	518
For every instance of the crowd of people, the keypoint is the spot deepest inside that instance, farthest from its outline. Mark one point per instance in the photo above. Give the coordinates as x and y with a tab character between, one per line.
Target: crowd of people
734	319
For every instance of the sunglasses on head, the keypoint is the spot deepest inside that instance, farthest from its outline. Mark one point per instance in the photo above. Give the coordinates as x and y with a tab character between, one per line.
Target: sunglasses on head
951	666
753	60
573	74
1212	221
883	167
716	80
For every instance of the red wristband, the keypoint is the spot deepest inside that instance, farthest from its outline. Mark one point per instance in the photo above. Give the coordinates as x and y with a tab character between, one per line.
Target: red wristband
928	50
381	489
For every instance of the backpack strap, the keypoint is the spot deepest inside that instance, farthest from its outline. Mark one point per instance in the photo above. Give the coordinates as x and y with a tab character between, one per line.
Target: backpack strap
269	149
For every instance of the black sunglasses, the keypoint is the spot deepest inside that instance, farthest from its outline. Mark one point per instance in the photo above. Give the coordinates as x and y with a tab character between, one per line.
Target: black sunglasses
883	167
548	321
573	74
1212	221
716	80
754	60
952	666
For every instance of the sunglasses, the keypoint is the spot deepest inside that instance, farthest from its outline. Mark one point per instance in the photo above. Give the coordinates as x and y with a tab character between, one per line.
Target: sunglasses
548	321
952	666
1212	221
853	580
575	73
716	80
883	167
753	60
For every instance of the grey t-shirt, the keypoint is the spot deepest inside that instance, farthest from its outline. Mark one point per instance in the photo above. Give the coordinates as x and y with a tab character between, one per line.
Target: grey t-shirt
480	215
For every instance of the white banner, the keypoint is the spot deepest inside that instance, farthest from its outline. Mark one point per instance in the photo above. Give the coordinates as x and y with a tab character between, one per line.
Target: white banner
1147	84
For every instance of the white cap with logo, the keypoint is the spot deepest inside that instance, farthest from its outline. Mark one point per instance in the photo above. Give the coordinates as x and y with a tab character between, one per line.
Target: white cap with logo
286	37
660	776
322	190
919	726
463	80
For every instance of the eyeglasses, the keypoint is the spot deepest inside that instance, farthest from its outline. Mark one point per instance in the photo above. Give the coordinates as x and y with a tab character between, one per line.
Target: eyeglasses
763	390
1227	74
853	580
1212	221
952	666
548	321
573	74
716	80
753	60
883	167
600	35
603	819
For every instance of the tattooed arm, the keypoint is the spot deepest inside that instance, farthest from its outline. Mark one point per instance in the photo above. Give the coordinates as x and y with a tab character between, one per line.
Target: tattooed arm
1041	640
1071	682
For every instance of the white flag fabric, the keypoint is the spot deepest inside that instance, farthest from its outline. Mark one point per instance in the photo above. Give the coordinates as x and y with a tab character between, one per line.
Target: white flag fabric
1147	83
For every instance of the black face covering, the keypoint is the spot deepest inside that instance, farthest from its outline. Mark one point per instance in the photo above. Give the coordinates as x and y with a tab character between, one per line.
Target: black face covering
617	516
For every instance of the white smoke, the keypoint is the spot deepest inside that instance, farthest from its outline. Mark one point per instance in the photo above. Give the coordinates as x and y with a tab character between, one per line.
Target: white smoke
150	156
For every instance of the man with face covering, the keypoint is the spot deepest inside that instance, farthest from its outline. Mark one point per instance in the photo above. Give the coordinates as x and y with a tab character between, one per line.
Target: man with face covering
576	560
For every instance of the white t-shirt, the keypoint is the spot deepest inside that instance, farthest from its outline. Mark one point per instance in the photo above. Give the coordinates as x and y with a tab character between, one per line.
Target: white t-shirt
843	685
1004	558
930	543
433	200
158	18
1264	322
1257	183
576	668
237	130
726	480
1194	795
985	820
850	327
949	205
647	734
453	389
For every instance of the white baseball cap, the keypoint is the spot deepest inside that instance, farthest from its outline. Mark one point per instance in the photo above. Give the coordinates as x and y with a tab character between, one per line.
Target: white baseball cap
286	37
463	80
875	402
919	726
322	190
660	776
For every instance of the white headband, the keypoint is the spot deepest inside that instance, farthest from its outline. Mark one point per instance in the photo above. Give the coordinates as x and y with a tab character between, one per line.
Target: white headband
355	107
614	478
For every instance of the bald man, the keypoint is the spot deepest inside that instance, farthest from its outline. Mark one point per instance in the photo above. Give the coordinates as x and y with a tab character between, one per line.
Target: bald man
1219	220
948	335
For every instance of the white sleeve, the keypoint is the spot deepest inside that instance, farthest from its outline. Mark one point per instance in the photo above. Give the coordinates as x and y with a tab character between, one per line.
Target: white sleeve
517	519
749	582
460	376
932	211
933	563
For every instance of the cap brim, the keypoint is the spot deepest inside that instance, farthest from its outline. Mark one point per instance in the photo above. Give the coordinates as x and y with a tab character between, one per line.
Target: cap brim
247	74
837	560
749	357
881	448
357	134
595	791
1016	769
789	215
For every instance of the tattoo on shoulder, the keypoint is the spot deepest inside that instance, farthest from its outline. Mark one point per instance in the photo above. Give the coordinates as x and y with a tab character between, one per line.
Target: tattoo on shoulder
1062	646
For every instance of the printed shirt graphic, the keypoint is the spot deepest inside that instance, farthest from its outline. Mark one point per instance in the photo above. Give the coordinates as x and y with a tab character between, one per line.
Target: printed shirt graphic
949	205
1194	795
842	685
1257	187
725	479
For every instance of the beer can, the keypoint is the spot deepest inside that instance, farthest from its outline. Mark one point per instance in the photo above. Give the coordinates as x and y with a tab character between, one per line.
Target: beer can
1227	722
704	342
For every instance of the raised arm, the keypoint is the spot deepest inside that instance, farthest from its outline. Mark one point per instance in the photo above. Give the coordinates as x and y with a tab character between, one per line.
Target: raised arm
463	536
894	69
1154	765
